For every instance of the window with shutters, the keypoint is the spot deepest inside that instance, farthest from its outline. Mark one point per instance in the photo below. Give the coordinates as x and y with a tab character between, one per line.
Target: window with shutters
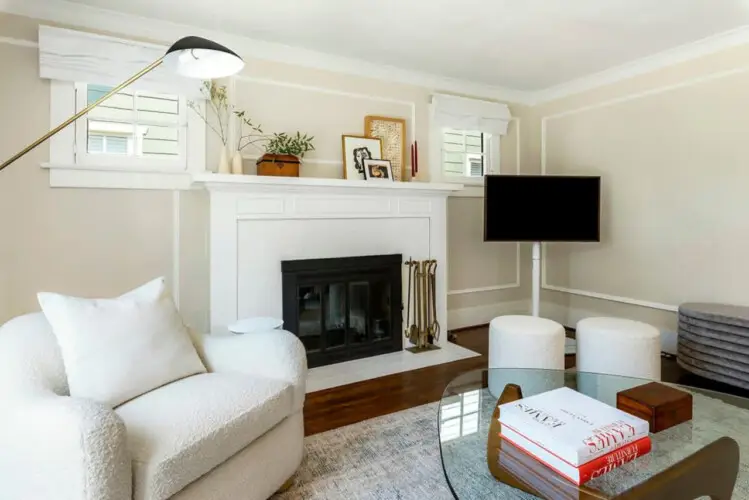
464	153
131	130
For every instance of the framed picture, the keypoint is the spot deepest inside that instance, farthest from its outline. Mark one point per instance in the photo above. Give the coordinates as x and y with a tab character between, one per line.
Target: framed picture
356	149
392	131
378	170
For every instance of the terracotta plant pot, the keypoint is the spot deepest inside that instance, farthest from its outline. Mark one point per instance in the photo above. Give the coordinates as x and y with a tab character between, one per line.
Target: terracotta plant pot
278	165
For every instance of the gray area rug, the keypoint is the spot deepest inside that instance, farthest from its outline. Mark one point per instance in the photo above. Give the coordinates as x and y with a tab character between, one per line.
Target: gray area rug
391	457
397	457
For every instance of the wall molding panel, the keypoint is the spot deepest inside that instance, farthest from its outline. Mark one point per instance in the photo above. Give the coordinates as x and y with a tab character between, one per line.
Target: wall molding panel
501	286
603	104
18	42
335	92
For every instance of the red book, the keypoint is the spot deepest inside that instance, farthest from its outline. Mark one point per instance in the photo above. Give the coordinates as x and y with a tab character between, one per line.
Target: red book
587	471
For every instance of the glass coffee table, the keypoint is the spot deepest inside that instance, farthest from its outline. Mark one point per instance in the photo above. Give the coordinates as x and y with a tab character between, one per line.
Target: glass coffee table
708	455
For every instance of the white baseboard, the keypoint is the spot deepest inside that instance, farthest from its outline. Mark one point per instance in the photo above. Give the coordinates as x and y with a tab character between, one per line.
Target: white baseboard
480	315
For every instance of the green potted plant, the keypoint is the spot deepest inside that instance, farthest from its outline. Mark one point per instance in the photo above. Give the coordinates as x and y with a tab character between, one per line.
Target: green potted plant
283	154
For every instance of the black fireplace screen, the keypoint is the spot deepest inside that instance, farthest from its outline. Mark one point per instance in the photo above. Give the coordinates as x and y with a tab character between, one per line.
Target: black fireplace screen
345	308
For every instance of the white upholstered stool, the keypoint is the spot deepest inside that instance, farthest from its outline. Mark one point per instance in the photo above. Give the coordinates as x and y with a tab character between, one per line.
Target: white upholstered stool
617	346
525	342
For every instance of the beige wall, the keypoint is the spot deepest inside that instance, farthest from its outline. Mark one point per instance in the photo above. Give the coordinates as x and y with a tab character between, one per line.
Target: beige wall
671	148
89	242
102	242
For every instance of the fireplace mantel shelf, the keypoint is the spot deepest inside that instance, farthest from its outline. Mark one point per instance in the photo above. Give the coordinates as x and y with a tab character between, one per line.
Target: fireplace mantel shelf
255	183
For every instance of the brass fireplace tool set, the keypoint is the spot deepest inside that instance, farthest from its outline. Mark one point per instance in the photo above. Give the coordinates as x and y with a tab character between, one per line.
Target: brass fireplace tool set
422	295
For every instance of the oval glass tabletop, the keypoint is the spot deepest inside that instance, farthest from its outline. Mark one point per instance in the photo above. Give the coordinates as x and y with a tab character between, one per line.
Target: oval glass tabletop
692	458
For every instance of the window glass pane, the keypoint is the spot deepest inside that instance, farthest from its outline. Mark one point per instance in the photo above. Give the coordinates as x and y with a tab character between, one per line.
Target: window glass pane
109	138
457	148
158	141
473	139
134	123
463	153
95	143
449	157
116	145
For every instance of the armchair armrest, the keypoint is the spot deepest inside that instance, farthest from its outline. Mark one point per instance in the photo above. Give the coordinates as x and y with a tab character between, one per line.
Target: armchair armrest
63	448
275	354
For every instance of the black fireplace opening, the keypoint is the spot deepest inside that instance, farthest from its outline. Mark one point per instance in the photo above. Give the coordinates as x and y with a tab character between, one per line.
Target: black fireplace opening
344	308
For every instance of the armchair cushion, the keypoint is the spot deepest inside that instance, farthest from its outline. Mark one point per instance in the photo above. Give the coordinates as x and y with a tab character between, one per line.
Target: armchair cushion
117	349
181	431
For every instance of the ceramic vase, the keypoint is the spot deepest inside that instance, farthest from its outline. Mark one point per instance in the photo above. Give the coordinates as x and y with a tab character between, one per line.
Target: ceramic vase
236	163
223	163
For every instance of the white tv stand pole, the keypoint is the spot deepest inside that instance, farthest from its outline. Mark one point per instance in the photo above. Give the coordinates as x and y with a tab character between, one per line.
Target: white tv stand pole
536	298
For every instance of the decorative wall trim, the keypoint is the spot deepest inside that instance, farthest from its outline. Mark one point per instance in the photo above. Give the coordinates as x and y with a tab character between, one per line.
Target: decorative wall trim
474	192
336	92
176	237
611	102
481	315
95	18
18	42
612	298
481	289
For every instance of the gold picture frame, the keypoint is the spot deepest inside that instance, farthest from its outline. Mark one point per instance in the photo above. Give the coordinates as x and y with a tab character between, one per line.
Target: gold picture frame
352	145
392	133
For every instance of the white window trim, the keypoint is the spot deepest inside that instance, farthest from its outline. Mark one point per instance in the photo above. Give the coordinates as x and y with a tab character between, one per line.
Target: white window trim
474	186
65	172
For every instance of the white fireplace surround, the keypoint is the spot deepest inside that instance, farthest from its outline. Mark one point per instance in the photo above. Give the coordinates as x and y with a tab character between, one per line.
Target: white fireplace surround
257	222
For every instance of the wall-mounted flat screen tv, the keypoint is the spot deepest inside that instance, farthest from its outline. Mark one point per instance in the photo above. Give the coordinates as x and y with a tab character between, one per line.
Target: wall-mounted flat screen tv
542	208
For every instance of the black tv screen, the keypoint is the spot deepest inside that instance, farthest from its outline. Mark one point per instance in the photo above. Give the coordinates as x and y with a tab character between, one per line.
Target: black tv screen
542	208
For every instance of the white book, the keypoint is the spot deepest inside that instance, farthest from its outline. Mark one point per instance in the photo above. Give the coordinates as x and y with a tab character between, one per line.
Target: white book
572	426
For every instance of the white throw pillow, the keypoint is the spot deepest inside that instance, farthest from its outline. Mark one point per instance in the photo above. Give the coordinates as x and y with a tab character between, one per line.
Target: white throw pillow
114	350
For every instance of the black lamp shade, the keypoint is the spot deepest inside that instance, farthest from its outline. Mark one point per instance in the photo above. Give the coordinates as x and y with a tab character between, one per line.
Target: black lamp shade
196	57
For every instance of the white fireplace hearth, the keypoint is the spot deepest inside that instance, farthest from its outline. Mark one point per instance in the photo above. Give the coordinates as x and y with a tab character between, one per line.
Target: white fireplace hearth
258	222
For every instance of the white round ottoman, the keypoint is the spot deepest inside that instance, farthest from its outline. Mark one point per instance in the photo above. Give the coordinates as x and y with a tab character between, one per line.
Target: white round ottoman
525	342
617	346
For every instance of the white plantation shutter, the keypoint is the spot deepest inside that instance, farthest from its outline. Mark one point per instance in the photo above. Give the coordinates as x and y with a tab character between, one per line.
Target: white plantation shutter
77	56
463	113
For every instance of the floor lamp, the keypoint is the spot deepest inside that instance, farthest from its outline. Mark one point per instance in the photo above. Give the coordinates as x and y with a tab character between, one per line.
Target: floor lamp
192	57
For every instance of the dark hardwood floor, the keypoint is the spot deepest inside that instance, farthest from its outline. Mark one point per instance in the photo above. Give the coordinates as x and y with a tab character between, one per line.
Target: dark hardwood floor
348	404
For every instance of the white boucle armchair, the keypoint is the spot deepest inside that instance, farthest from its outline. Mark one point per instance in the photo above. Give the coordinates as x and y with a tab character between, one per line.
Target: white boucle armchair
233	433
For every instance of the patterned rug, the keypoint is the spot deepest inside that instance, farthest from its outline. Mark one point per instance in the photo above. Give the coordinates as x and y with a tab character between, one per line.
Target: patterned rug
391	457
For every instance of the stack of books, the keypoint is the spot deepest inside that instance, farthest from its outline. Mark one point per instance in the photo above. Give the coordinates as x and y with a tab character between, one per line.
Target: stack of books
576	436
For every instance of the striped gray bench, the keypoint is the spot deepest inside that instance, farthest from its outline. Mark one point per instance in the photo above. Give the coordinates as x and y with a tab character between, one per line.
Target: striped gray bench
714	342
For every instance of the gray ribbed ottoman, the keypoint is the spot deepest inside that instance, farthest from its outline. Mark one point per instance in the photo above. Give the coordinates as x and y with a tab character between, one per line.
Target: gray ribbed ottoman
714	342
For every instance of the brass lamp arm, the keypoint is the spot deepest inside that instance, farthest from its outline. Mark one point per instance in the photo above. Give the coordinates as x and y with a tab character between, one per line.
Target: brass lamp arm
84	111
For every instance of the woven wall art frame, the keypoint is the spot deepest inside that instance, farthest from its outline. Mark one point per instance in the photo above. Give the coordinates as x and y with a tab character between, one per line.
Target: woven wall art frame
392	133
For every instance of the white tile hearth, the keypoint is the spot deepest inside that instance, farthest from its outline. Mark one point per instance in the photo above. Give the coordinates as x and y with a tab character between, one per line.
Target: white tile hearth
325	377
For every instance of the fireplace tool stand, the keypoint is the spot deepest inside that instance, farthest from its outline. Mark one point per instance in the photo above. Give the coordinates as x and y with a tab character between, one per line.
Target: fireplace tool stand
424	332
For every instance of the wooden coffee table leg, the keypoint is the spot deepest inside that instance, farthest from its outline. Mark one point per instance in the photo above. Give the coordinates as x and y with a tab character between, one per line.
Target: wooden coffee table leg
711	472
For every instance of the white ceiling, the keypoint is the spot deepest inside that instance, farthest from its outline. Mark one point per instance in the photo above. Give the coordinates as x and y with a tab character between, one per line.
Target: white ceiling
525	45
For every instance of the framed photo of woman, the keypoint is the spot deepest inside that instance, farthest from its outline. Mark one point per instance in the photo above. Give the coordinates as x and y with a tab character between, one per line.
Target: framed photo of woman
356	149
378	170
